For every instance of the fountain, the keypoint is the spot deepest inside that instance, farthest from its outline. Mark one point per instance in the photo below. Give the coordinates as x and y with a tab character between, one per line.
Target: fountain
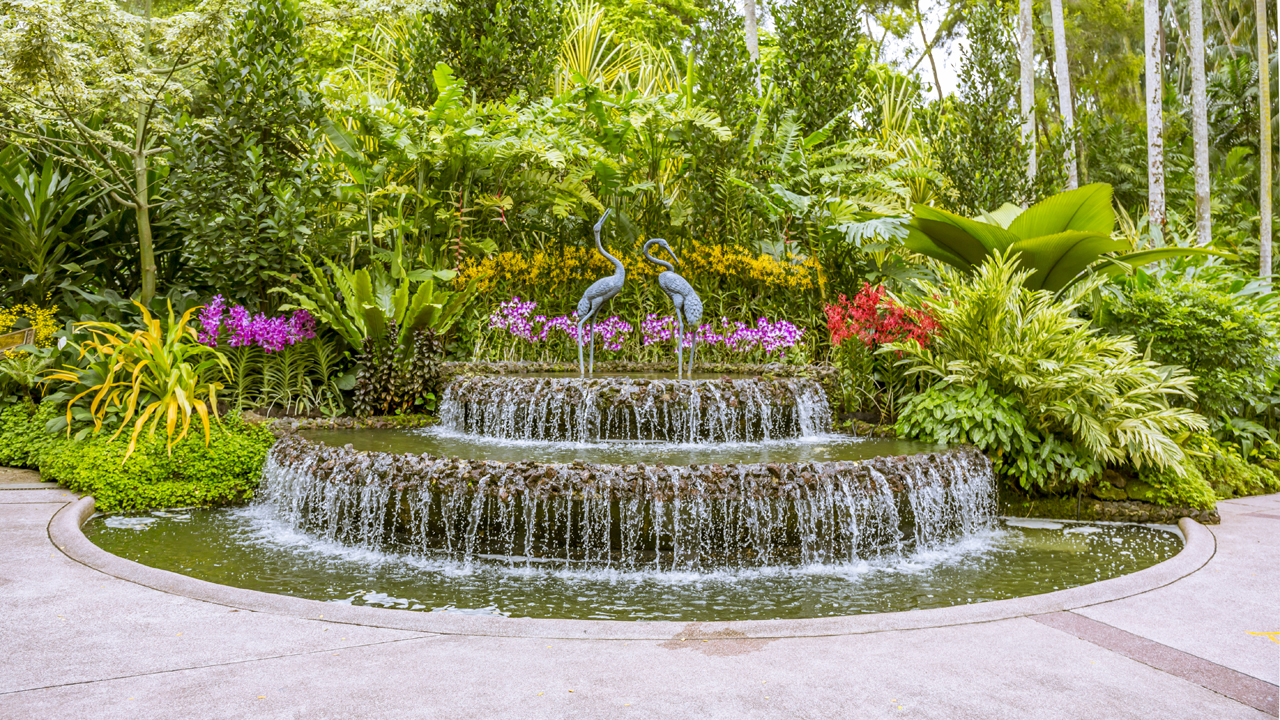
579	470
628	496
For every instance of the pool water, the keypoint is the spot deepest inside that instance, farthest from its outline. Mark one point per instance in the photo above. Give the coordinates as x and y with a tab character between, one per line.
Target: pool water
250	547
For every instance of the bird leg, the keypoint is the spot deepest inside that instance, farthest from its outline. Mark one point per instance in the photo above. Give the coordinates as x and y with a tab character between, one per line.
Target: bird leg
679	344
593	345
693	345
581	368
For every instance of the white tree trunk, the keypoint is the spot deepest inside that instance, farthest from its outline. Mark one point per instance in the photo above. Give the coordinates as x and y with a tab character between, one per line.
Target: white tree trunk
753	37
1026	36
1155	113
1064	89
1264	142
1200	124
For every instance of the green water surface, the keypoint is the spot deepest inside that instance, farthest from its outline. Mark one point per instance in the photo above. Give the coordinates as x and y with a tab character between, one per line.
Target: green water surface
250	548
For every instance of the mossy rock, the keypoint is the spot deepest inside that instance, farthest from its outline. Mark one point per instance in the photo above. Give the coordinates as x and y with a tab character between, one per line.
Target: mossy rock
1141	491
1107	491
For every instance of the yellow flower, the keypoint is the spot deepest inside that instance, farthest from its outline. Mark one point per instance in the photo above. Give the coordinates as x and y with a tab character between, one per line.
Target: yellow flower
43	320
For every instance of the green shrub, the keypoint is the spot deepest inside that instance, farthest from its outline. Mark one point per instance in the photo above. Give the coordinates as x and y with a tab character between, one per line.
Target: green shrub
1226	471
1225	343
22	433
1187	490
1090	398
952	414
225	471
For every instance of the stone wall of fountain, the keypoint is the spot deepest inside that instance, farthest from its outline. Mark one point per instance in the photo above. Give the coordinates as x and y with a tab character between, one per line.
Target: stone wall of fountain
628	516
518	407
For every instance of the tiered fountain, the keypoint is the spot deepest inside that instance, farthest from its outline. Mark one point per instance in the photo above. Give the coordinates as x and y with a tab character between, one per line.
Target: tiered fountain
630	472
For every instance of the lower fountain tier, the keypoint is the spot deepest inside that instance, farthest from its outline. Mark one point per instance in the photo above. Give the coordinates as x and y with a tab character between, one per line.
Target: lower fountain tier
727	409
630	515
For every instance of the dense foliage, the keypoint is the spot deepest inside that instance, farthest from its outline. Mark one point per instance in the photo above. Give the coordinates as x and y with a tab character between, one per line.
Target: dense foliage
1094	392
1226	343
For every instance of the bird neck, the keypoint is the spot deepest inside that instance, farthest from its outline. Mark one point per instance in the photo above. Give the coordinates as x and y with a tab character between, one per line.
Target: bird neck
655	260
619	269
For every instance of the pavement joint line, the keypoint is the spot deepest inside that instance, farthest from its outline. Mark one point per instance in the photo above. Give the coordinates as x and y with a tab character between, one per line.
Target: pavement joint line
1233	684
421	636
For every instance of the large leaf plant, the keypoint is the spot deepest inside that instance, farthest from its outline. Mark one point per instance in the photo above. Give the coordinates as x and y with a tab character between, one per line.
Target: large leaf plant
373	301
1057	240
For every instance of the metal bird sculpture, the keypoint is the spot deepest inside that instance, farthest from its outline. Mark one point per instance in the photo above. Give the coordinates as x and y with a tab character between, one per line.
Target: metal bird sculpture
595	297
688	304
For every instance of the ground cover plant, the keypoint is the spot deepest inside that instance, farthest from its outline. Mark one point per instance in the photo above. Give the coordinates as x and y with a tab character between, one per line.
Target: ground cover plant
337	198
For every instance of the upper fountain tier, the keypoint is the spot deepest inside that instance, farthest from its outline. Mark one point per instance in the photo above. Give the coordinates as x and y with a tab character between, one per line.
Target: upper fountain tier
726	409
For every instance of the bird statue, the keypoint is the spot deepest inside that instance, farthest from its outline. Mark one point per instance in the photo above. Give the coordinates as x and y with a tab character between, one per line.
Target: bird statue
595	297
688	304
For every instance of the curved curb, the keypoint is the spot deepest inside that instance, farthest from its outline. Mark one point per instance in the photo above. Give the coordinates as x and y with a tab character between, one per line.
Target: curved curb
65	532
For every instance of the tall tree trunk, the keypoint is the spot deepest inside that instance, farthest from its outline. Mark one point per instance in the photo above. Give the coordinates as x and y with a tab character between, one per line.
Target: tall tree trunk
1264	143
142	208
1155	113
142	188
1064	90
1026	44
753	36
1200	124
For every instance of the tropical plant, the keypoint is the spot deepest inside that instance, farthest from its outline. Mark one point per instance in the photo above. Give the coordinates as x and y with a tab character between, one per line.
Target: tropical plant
500	47
949	414
1057	239
244	173
396	379
377	300
859	328
1221	338
1094	391
40	220
151	374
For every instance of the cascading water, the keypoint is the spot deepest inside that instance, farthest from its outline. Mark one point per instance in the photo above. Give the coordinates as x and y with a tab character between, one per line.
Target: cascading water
633	515
692	411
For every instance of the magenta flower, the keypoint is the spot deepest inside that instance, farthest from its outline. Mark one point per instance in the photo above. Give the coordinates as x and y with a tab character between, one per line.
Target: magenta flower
244	330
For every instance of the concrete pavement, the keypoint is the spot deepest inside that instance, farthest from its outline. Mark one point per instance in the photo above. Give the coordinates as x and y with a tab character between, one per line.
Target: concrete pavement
89	636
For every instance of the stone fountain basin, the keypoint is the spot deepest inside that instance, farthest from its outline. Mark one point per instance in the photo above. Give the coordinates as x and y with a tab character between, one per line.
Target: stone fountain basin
439	441
385	457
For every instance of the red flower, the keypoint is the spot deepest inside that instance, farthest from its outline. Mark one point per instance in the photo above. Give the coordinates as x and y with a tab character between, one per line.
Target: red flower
876	319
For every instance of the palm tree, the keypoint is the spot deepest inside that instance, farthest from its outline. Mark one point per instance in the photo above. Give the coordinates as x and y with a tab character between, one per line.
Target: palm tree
1064	89
1264	144
1026	35
1155	112
1200	124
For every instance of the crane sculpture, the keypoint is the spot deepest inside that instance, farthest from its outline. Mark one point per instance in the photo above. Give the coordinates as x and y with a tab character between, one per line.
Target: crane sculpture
594	298
688	304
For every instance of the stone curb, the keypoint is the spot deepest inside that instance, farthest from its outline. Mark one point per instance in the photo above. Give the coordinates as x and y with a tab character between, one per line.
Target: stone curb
65	532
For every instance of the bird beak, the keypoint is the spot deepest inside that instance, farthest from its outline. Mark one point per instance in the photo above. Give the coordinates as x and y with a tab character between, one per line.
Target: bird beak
672	254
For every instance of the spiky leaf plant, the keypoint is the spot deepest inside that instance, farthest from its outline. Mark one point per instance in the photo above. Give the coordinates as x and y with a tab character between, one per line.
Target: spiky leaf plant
151	374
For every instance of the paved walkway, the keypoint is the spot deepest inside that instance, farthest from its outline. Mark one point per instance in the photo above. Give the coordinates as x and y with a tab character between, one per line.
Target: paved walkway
79	643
